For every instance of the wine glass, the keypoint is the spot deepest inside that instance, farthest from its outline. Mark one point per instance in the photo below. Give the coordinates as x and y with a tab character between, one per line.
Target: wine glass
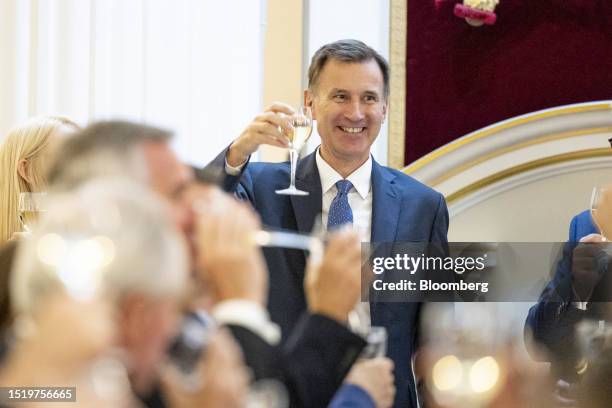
267	393
274	237
376	345
30	207
593	338
302	128
596	197
463	356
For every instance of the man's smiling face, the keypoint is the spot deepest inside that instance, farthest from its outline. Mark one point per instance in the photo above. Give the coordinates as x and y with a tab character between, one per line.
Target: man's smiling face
349	106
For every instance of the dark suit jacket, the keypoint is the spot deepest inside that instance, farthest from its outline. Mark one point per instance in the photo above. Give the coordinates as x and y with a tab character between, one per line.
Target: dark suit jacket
402	210
552	321
312	363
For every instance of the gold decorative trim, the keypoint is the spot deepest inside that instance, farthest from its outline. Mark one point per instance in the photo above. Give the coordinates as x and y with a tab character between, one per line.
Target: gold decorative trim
397	82
532	142
508	124
522	168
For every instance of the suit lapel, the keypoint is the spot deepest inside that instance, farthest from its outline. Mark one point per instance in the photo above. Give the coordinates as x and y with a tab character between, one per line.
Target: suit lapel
307	208
386	203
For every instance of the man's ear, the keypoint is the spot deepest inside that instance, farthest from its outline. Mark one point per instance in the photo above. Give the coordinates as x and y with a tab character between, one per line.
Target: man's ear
308	101
23	169
385	108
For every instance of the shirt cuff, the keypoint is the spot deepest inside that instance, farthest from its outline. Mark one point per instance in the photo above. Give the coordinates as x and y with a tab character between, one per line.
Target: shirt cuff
234	171
581	305
249	315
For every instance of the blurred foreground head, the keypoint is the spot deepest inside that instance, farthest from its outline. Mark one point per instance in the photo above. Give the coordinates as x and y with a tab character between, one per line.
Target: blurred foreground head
24	157
111	148
115	240
125	150
109	236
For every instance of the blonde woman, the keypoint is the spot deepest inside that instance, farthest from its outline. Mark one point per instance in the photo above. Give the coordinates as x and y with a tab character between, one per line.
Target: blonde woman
24	156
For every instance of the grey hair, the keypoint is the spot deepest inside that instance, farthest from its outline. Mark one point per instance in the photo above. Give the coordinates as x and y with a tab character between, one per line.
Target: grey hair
104	149
109	236
351	51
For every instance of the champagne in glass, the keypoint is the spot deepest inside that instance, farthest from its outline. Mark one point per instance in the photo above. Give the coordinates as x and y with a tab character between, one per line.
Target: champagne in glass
30	207
594	200
302	128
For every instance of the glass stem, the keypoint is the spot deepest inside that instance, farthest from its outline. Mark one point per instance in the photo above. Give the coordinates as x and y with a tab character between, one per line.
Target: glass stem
293	157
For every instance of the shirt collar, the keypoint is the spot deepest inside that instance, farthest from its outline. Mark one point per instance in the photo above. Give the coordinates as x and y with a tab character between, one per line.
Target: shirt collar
360	178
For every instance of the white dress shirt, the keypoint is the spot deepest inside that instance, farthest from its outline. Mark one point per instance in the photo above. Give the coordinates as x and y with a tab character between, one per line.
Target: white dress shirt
359	196
360	200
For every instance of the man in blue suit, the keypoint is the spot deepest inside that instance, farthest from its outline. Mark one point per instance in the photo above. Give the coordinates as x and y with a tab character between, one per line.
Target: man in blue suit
581	281
348	93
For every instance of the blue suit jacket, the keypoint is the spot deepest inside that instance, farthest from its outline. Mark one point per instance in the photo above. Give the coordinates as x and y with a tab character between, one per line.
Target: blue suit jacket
403	210
581	226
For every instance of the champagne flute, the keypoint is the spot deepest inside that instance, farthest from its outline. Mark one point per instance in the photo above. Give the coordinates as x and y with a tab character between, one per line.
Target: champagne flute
463	359
267	393
376	343
274	237
30	207
596	197
302	128
593	338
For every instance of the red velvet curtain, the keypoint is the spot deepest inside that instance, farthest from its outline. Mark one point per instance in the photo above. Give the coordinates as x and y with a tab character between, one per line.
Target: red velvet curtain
539	54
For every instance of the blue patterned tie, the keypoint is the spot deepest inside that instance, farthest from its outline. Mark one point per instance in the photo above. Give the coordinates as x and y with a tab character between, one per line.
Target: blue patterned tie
340	212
